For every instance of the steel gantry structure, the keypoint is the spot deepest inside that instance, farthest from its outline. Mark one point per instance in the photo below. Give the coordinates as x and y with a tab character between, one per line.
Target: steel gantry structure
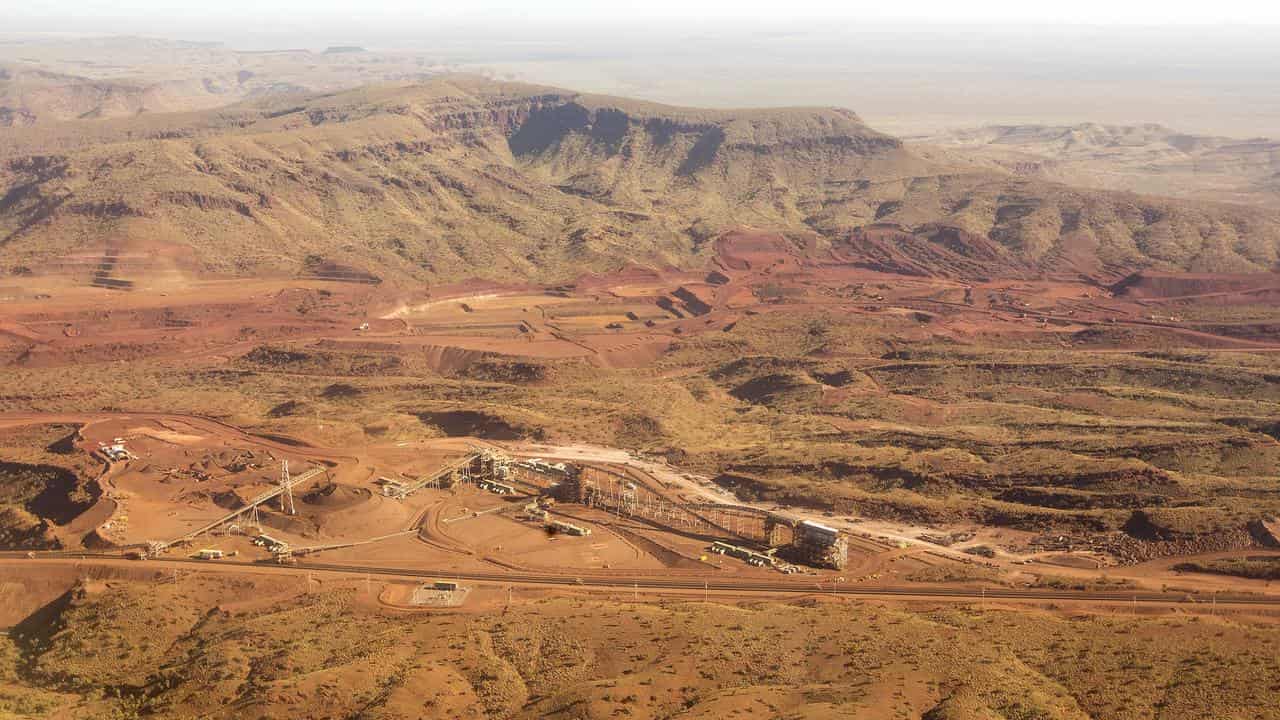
283	490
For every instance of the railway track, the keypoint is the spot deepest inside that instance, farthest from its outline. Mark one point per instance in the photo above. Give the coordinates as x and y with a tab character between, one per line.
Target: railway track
778	587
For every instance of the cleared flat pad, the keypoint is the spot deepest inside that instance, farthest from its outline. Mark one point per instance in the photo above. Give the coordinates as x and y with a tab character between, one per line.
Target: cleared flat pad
429	596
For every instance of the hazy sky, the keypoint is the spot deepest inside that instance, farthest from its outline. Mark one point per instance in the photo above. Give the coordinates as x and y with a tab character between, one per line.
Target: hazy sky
909	66
83	15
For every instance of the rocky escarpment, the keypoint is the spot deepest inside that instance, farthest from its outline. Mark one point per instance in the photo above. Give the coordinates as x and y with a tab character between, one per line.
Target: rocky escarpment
586	130
460	176
450	178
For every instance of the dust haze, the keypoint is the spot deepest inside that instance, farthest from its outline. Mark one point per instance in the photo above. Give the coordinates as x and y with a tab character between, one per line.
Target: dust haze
908	80
363	367
903	78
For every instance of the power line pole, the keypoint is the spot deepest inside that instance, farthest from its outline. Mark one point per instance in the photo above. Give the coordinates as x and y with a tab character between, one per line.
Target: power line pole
287	490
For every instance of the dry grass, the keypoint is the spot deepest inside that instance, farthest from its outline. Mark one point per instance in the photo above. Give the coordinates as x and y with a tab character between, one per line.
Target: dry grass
326	656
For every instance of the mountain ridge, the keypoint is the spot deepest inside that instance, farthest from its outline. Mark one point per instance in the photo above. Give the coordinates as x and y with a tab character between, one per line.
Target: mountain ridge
463	176
1156	158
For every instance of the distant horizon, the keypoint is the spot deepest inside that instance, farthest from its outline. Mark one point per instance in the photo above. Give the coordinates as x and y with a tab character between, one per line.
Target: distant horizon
405	13
407	34
903	78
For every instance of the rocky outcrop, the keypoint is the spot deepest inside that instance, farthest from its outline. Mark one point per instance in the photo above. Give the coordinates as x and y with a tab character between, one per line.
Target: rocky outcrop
1265	532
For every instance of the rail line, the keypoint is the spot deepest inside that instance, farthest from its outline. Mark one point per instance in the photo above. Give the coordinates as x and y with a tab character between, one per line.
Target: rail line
779	587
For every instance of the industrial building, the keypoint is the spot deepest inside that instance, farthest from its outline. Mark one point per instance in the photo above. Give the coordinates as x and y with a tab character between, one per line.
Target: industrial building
441	593
539	465
750	557
568	528
534	511
390	486
820	545
625	493
117	453
271	544
495	487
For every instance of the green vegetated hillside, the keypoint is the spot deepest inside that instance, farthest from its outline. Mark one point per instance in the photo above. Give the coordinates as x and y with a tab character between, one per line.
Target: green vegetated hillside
459	176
